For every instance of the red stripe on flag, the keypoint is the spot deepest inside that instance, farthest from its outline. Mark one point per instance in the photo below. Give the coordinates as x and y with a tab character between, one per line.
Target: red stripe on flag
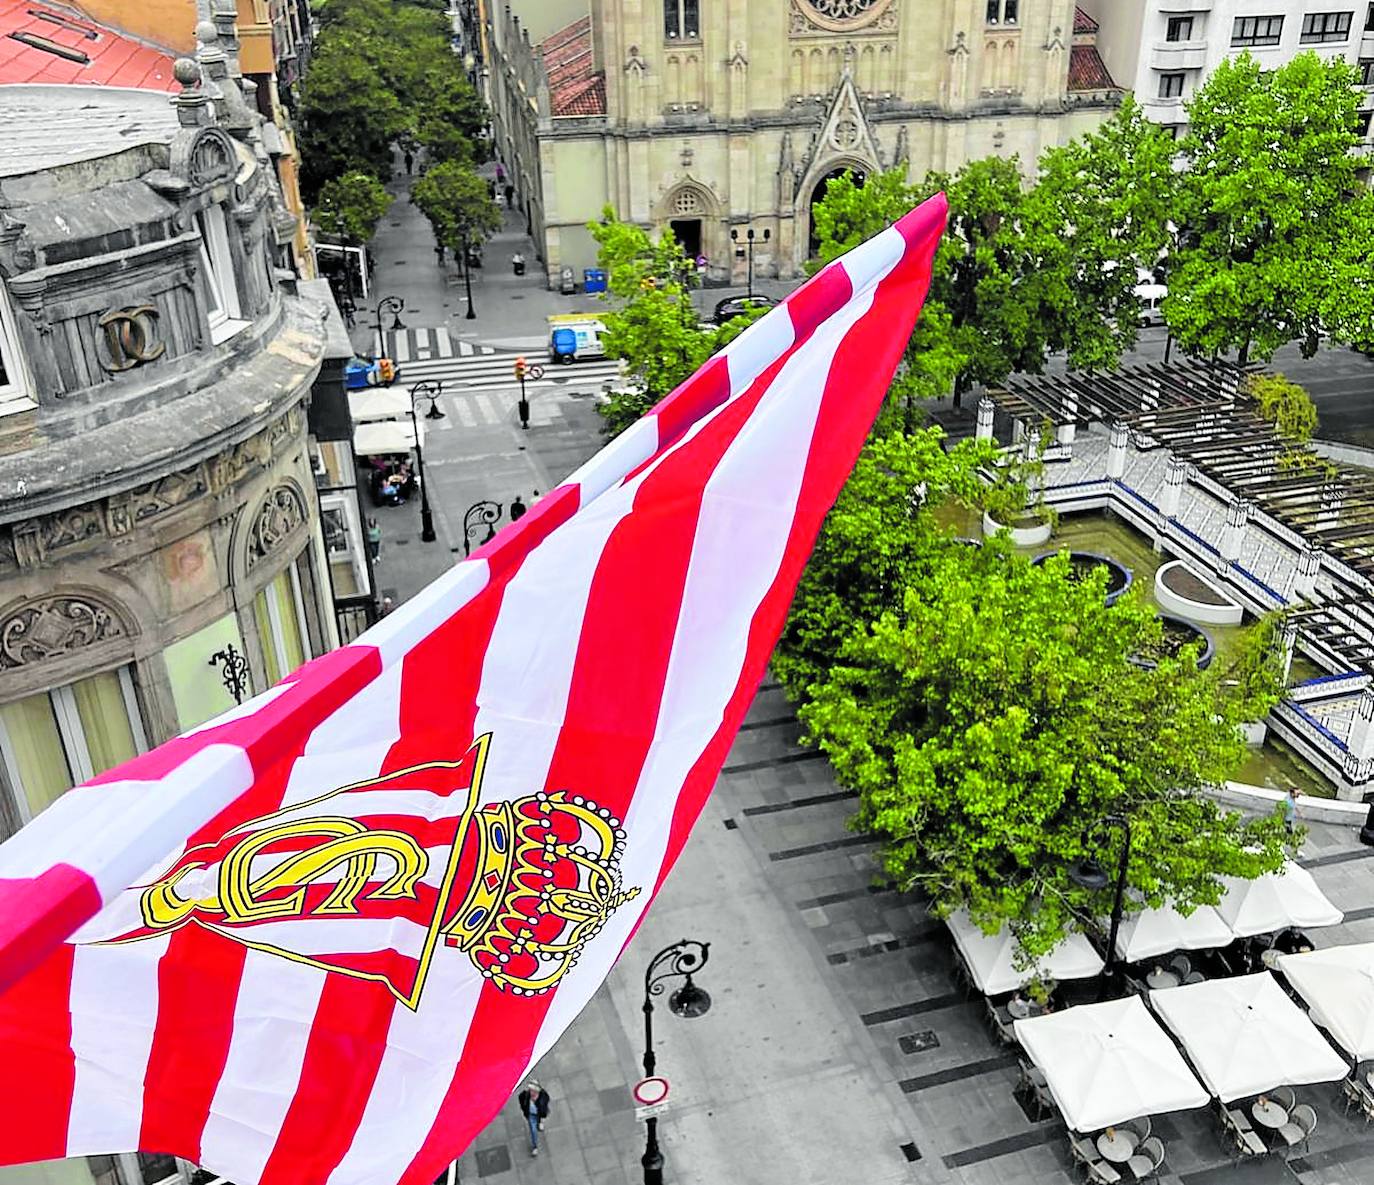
40	1068
697	397
340	1067
37	913
197	986
511	546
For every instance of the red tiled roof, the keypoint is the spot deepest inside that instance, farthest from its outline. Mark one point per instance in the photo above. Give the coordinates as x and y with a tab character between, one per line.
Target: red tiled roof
1087	71
44	43
575	86
1082	22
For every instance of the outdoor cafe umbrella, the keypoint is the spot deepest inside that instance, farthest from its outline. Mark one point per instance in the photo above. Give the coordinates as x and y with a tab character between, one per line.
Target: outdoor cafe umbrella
1275	901
1107	1063
1245	1036
1151	932
991	958
1338	985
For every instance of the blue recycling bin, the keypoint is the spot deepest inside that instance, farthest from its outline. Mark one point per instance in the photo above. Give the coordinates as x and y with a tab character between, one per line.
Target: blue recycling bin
594	279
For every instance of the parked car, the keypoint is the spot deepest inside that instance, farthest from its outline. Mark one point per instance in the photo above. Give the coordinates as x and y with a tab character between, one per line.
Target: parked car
735	306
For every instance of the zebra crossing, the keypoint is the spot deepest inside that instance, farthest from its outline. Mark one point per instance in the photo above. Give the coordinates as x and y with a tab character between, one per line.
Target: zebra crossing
464	368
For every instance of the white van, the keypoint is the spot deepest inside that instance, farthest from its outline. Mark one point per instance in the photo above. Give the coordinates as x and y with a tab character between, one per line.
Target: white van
1151	296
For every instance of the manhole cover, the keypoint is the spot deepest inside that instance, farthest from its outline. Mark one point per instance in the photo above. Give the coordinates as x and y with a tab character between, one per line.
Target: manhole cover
491	1161
919	1042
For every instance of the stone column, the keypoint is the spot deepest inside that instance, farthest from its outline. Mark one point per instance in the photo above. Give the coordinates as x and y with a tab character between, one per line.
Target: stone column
1233	533
1170	495
1066	432
1361	739
1116	452
986	409
1288	643
1309	564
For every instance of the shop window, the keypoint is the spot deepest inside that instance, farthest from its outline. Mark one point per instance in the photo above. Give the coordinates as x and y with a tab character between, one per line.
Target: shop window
51	741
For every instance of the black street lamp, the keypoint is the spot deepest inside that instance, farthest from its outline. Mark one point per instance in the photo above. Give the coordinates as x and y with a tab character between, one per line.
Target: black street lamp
471	314
430	391
1089	874
749	241
683	958
392	305
479	514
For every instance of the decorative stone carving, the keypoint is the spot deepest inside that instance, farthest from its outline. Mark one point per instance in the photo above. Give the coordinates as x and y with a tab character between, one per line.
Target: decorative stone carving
69	527
280	515
842	16
902	153
738	60
635	63
787	177
54	626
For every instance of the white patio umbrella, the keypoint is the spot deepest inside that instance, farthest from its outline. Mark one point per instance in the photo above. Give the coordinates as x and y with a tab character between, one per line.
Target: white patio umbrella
1245	1036
1275	901
1157	931
990	957
1338	985
1109	1062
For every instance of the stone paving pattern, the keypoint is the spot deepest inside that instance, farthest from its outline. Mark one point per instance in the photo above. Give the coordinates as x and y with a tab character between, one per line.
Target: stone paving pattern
838	1046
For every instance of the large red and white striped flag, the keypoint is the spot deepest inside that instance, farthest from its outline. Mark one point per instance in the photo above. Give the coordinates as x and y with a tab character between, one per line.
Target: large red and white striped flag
321	939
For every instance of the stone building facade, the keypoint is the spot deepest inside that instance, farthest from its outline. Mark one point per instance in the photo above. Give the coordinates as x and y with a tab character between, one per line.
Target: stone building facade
708	116
159	529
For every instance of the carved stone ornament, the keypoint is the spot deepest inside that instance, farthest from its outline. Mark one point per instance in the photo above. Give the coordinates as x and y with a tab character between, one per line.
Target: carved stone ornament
204	156
843	16
54	626
131	338
277	519
635	63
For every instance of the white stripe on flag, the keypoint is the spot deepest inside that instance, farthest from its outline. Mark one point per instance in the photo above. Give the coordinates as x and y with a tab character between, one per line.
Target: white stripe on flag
343	935
273	1018
114	1014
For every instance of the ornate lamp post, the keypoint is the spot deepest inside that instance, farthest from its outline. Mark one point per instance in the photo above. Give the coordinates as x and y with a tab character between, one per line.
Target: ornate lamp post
684	958
392	305
749	241
235	672
471	314
1089	874
430	391
480	514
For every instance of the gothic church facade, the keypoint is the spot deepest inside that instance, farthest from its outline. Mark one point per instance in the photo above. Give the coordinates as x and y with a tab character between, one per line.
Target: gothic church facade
707	116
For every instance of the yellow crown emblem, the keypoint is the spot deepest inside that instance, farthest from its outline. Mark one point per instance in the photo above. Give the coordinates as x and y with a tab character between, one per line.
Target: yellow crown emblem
545	879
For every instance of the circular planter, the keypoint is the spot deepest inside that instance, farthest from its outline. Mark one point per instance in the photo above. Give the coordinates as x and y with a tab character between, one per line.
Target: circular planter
1029	536
1182	633
1183	592
1119	577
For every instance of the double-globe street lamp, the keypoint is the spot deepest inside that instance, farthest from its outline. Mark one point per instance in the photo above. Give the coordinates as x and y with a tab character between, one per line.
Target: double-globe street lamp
431	391
1089	874
684	958
749	242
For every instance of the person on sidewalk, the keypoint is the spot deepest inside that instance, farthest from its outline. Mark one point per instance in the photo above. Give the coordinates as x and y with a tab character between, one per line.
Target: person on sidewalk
1290	808
517	508
374	539
534	1106
410	161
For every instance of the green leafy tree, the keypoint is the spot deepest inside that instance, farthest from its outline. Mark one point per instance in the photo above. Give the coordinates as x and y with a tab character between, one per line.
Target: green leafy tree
459	207
348	117
349	207
994	718
1277	235
1284	404
654	327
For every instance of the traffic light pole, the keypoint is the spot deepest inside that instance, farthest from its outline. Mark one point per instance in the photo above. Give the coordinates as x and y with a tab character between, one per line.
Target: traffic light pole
524	370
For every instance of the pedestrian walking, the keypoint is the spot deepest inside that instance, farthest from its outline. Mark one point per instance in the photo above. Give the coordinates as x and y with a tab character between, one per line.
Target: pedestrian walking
410	161
387	605
1290	808
441	252
374	539
510	196
517	508
534	1106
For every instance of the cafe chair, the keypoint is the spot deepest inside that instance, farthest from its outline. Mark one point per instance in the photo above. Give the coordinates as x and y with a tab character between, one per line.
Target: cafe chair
1284	1096
1101	1173
1140	1128
1147	1159
1302	1122
1194	977
1181	967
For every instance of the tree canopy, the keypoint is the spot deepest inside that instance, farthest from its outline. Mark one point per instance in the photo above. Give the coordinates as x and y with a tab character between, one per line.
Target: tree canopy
990	713
458	205
350	206
1276	239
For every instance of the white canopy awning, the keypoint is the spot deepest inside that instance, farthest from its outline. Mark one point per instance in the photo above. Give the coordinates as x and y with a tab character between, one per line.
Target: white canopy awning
1245	1036
1158	931
384	436
367	404
1110	1062
1275	901
990	958
1338	985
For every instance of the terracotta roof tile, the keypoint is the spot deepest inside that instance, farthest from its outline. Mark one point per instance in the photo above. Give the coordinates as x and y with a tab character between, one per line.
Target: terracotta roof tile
1082	22
576	87
45	43
1087	71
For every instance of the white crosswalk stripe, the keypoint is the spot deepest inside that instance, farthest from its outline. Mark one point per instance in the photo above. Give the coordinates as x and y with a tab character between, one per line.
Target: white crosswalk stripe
424	344
495	372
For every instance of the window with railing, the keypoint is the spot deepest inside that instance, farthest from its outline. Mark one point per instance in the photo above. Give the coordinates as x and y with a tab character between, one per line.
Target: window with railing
1257	30
1325	26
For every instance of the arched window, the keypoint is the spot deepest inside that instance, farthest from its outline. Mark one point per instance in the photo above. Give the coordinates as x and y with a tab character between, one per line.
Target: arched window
682	20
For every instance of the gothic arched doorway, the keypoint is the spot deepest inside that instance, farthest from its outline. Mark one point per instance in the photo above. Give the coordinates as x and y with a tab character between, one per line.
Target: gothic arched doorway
813	244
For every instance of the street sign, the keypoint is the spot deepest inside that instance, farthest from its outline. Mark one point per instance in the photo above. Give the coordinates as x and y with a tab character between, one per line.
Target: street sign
650	1092
643	1113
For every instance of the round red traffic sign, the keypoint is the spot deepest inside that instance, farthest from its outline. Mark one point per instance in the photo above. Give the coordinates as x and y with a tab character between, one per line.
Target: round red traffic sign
649	1092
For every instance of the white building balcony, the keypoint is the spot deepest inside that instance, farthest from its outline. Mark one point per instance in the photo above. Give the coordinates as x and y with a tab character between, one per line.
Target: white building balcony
1178	55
